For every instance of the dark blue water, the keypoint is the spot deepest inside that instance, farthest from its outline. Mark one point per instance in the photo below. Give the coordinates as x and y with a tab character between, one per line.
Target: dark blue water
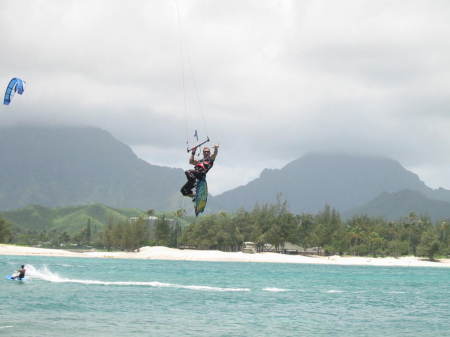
112	297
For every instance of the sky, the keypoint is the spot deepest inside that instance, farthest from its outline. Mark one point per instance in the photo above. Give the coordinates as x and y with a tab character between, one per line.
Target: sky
269	81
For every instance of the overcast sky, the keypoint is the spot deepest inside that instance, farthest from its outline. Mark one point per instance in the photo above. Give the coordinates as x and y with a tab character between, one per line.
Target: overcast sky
267	80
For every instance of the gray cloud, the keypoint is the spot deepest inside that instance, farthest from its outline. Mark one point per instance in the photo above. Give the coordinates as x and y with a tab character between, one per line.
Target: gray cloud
273	79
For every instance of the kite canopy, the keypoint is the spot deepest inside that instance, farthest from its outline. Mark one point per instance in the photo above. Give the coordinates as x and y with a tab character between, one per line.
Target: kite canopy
15	85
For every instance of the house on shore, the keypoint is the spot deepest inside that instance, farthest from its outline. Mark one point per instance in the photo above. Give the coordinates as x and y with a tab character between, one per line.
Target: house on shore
293	249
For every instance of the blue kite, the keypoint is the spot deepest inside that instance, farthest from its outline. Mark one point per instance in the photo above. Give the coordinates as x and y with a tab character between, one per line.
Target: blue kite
15	85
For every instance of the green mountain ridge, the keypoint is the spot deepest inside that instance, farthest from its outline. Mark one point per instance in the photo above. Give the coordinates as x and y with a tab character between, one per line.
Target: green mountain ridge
393	206
340	180
69	219
58	166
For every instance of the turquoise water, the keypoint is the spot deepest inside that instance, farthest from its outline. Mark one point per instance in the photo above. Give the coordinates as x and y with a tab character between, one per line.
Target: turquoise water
112	297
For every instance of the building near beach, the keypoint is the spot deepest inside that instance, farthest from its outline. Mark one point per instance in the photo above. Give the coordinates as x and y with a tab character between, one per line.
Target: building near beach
293	249
249	247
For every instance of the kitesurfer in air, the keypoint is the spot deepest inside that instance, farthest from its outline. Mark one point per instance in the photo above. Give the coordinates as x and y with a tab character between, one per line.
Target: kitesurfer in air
201	167
20	274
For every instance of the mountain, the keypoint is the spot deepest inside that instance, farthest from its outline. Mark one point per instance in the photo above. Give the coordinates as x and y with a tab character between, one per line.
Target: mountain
439	194
60	166
342	181
392	206
68	219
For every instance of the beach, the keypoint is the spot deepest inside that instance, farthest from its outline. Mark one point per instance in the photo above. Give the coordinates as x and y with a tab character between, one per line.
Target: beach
164	253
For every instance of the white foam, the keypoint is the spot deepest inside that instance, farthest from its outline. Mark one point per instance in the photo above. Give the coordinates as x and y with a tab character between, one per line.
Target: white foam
6	327
47	275
333	291
275	290
42	274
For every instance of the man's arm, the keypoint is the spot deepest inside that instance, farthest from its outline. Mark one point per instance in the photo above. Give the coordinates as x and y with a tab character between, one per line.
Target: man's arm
192	160
216	150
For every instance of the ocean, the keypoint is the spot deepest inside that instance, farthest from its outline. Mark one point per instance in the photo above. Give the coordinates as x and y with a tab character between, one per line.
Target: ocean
118	297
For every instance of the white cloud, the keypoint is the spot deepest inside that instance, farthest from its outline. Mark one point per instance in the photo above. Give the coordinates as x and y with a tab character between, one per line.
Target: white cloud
273	79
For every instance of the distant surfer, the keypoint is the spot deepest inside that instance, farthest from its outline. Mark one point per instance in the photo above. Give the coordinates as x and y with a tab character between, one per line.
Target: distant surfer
19	274
201	167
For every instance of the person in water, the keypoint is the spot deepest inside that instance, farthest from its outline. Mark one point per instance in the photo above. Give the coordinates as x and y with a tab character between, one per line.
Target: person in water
201	167
20	273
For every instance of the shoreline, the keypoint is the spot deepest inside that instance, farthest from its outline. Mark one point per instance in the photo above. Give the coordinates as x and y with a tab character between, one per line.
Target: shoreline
173	254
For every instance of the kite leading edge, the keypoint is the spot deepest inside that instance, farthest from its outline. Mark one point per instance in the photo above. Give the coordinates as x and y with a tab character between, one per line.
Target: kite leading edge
15	85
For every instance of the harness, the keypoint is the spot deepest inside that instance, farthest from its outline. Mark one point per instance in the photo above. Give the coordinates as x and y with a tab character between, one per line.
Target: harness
204	166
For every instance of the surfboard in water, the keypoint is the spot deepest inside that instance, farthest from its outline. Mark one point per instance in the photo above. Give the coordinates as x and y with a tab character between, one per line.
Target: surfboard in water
12	278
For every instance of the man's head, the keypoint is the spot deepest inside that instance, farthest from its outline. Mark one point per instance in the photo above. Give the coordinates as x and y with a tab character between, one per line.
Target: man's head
23	266
206	151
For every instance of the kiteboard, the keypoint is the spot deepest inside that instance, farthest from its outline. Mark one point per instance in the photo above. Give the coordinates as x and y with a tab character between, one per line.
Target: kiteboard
13	277
201	196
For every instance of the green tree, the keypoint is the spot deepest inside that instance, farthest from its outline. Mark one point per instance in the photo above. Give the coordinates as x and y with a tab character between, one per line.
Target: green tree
304	232
328	221
64	238
139	233
88	232
429	244
180	212
175	235
5	231
162	232
413	227
444	237
107	237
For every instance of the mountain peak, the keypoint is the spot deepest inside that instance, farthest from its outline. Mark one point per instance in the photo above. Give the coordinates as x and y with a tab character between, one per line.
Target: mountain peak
342	180
61	165
394	205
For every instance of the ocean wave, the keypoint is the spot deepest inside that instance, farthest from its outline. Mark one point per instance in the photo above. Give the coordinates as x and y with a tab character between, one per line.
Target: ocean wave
334	291
275	290
47	275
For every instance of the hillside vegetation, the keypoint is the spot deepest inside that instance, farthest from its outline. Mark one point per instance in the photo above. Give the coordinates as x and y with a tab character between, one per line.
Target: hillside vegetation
58	166
270	225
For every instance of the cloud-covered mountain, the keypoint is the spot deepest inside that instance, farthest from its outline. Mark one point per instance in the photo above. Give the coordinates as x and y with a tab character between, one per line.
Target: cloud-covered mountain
61	166
342	181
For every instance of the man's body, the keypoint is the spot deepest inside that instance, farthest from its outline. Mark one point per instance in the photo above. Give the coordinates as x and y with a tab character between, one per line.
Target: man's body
20	273
201	167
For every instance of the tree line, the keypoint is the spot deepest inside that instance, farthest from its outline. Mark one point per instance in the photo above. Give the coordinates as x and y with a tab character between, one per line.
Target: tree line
268	224
358	236
116	235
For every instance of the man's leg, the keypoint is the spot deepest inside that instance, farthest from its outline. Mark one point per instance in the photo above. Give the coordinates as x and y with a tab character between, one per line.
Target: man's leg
186	190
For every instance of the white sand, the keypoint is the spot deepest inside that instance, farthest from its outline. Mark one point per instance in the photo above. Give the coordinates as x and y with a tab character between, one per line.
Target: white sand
164	253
